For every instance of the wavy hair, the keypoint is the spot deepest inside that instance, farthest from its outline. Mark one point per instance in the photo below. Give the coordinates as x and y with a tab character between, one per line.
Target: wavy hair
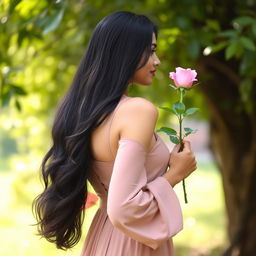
118	44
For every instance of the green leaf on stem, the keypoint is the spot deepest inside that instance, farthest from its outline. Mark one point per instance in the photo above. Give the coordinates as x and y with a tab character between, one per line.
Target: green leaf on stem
167	130
174	111
178	107
166	109
173	86
191	111
189	131
174	139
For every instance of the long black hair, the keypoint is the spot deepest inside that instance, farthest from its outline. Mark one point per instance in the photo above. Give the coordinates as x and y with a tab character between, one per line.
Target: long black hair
118	44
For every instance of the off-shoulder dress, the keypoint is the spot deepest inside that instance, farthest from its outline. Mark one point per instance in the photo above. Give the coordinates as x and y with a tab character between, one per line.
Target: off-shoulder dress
139	211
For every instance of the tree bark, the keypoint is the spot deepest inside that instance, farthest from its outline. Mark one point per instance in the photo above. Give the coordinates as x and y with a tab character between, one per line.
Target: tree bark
233	142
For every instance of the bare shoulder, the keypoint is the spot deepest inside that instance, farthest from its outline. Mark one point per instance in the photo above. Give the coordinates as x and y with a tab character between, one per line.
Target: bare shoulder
139	105
137	120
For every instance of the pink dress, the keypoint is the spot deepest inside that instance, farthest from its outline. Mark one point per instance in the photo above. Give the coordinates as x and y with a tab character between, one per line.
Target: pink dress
139	211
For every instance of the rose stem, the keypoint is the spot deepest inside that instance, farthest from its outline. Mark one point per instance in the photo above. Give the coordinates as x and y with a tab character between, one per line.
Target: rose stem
181	145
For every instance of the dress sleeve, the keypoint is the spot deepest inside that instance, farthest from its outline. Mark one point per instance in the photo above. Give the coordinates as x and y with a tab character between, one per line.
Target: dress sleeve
148	212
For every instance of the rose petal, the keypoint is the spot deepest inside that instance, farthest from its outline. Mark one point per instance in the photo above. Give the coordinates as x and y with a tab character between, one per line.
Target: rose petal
193	72
173	77
183	77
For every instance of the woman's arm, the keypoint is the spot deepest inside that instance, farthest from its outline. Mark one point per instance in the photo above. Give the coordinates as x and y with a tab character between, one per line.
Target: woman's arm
148	212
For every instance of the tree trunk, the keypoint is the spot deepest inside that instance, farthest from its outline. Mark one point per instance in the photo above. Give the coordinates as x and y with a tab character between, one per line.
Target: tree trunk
233	142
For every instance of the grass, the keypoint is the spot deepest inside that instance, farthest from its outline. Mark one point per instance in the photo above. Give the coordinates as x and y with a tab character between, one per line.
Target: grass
204	216
204	219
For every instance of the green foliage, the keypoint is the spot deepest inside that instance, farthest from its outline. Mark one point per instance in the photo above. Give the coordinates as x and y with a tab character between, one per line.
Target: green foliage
240	43
189	131
62	28
173	86
191	111
171	133
167	130
167	109
179	108
174	139
42	42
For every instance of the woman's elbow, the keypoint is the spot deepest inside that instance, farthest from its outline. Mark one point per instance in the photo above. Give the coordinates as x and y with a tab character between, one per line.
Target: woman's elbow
115	214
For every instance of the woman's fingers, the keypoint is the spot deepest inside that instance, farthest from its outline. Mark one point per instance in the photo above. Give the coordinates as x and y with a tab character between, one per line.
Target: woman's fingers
187	146
176	148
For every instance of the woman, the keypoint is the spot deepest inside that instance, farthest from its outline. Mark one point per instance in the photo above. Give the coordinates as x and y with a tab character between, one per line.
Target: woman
102	135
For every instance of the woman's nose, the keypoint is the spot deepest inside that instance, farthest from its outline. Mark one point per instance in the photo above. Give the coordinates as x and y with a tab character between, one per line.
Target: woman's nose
156	61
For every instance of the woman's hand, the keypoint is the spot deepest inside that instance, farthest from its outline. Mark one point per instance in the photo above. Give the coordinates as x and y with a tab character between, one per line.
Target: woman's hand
181	164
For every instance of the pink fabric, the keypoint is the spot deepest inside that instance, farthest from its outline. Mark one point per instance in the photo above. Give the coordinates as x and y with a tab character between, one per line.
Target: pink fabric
139	210
137	207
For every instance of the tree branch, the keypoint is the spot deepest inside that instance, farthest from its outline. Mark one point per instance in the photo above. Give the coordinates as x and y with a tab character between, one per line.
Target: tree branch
222	68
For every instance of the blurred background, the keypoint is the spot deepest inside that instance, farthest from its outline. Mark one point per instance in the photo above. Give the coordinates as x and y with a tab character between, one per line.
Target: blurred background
41	44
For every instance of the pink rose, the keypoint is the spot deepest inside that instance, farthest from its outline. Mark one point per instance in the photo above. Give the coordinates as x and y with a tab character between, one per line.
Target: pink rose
183	77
